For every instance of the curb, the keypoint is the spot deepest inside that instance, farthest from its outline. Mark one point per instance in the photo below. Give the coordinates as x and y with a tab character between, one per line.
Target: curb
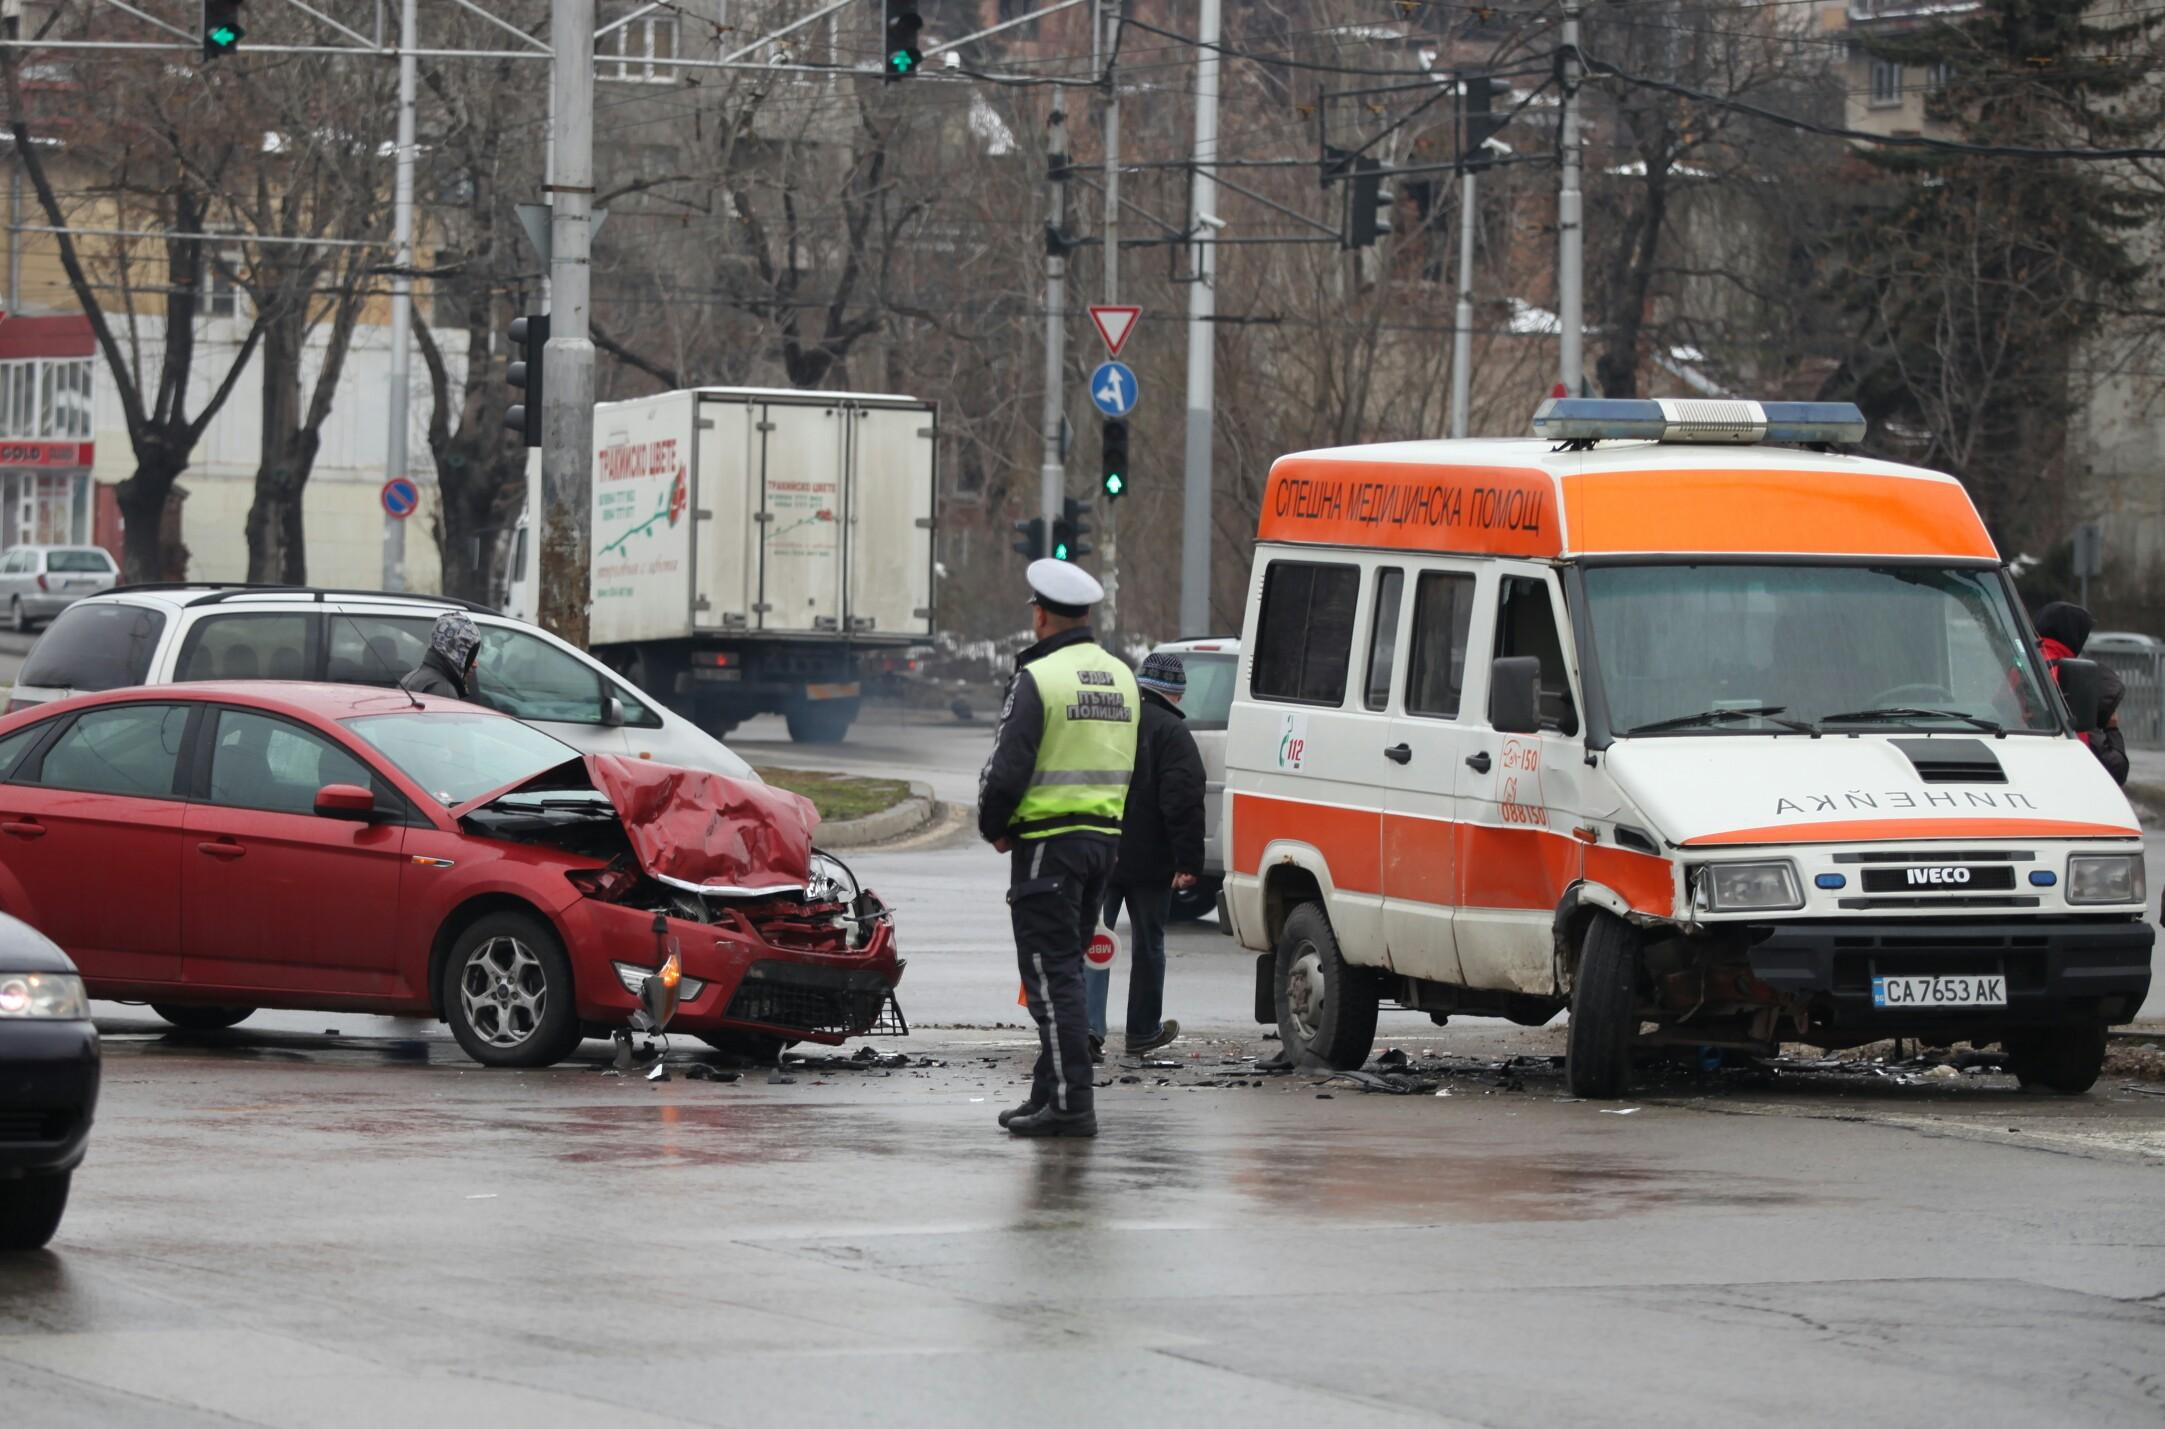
906	817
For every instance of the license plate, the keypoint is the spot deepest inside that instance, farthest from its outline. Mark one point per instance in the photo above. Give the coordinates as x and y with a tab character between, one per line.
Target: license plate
1939	992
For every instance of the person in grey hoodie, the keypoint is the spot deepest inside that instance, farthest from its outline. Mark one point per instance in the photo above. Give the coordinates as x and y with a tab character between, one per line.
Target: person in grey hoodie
447	666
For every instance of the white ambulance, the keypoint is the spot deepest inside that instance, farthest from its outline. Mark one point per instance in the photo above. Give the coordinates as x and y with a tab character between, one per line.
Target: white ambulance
1678	718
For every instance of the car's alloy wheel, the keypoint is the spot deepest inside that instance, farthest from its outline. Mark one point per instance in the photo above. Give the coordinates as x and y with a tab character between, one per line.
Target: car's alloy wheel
507	993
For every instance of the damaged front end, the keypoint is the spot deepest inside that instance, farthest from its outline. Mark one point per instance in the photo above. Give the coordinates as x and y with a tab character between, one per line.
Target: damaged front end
775	937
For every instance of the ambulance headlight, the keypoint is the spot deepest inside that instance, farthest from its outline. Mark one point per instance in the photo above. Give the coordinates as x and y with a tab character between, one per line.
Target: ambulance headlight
2105	878
1749	887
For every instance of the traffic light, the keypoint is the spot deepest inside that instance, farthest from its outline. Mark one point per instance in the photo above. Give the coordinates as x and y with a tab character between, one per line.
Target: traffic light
1068	531
1369	203
1032	545
221	28
1113	438
530	335
903	23
1478	95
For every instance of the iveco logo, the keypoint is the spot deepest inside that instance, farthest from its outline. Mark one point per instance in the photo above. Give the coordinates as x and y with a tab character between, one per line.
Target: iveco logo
1927	876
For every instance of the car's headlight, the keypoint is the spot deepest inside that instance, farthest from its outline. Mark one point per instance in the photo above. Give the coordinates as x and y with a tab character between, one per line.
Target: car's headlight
57	997
1749	887
634	978
831	880
2105	878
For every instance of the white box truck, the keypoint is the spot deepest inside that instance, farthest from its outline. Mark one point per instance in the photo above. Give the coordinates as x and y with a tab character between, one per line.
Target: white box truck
754	548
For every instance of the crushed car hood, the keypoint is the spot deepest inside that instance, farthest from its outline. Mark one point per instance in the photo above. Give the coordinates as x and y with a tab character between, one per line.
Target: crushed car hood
699	831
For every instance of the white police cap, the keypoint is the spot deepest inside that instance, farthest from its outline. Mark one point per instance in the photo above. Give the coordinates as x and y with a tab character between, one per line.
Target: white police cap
1064	583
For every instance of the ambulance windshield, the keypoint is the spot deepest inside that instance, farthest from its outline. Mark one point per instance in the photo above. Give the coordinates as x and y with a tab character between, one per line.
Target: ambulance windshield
1756	649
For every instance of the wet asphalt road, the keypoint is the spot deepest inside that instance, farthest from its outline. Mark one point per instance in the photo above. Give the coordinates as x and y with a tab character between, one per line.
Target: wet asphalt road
279	1226
284	1226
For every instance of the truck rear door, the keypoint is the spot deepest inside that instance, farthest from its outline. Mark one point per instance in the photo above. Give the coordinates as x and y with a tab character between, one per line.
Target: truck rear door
726	487
800	520
890	522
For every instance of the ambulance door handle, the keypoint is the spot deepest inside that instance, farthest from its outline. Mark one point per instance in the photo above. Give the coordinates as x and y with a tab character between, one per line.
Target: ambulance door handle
1478	763
1399	753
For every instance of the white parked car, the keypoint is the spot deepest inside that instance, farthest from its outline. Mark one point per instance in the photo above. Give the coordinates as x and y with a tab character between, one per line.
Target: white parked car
38	582
1213	669
165	634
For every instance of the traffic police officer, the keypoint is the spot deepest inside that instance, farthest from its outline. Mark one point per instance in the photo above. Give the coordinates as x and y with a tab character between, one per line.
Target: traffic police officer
1051	797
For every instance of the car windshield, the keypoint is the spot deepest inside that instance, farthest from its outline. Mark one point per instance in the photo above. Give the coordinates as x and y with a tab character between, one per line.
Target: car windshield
1209	700
457	757
1758	649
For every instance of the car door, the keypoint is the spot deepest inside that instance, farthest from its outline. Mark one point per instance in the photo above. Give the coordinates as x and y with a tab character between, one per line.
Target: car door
522	675
1517	853
90	834
278	897
1421	824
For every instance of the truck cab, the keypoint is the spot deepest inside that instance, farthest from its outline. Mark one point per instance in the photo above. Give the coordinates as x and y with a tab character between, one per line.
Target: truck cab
1710	739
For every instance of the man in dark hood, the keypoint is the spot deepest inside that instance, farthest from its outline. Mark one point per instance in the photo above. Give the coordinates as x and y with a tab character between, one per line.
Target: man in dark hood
2063	629
447	666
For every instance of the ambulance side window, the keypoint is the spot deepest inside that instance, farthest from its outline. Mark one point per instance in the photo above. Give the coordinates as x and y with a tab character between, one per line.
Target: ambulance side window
1304	637
1442	620
1383	637
1526	625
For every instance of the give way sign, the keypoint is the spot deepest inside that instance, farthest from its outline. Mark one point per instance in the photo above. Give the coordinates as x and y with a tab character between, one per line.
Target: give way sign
1114	324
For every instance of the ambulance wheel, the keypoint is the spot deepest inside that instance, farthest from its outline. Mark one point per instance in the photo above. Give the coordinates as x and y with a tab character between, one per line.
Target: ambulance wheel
1604	1011
2065	1060
1326	1007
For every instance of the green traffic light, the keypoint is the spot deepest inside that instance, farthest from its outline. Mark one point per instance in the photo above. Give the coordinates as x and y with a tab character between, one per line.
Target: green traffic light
224	36
899	62
1059	552
1115	483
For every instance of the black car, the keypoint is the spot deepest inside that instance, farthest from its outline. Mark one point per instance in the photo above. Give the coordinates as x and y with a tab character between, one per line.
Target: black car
48	1083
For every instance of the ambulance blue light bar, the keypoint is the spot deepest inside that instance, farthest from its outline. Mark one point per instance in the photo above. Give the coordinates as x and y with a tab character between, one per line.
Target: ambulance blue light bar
1697	419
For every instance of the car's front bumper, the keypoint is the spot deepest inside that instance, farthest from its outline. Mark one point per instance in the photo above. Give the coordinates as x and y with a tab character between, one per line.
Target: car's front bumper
750	983
48	1094
2059	971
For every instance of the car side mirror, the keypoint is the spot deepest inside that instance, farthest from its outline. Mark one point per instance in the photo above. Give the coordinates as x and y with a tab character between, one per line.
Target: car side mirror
346	801
2082	682
1514	695
612	712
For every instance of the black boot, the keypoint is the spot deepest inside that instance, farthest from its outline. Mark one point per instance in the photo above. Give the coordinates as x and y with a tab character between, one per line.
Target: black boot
1026	1109
1046	1121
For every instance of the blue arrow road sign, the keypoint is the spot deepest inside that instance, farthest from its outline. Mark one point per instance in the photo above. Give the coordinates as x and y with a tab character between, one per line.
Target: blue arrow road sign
400	496
1114	388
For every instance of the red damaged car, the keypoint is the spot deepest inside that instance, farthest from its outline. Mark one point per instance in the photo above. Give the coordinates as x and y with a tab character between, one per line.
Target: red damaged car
215	848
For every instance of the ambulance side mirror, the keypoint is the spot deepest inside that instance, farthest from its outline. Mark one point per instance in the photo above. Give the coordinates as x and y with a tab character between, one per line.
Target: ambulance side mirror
2083	683
1514	695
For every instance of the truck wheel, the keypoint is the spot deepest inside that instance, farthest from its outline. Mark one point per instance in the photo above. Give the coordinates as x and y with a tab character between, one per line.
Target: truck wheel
821	721
507	993
202	1019
1326	1007
760	1048
1604	1011
2064	1059
30	1210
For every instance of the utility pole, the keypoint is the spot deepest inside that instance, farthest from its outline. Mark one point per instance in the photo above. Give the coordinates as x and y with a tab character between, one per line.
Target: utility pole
1110	30
1052	473
1570	221
567	414
1195	515
1462	322
395	457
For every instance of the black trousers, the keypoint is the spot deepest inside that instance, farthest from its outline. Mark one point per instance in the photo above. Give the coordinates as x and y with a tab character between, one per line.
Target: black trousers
1056	887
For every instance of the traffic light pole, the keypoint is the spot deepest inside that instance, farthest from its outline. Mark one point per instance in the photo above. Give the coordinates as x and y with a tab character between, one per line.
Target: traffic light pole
395	457
1462	324
1195	513
1052	473
1109	29
567	405
1570	221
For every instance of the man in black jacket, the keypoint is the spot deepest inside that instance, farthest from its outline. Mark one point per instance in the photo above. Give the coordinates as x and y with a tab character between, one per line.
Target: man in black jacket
1161	848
